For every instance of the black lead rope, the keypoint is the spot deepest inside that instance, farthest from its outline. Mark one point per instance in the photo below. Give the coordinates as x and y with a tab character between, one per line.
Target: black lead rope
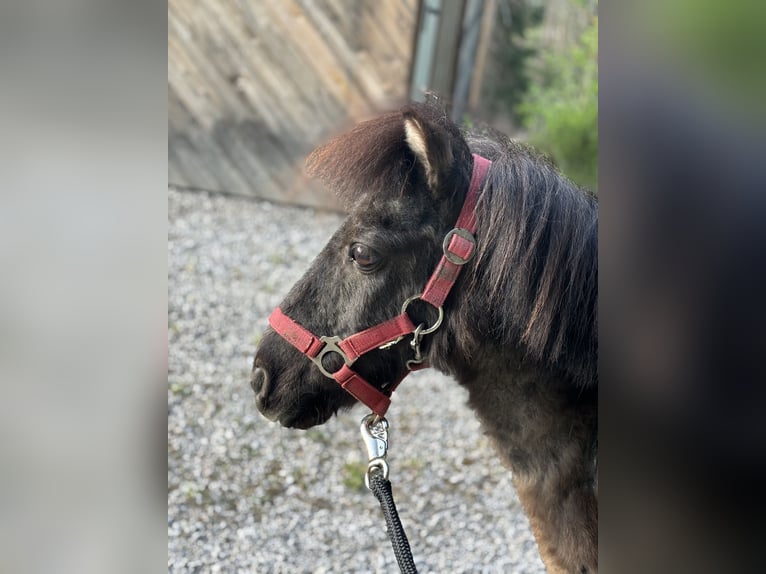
375	434
381	488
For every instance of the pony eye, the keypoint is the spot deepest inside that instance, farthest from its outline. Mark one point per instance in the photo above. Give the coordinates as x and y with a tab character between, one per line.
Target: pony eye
364	257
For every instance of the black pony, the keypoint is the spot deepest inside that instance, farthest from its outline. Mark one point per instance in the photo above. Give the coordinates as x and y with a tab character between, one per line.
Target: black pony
520	324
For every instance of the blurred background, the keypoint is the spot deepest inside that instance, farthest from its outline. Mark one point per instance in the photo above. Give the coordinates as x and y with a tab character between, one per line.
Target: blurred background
253	87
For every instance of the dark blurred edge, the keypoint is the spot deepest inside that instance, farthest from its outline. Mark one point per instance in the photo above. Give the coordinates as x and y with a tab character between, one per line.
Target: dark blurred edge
683	331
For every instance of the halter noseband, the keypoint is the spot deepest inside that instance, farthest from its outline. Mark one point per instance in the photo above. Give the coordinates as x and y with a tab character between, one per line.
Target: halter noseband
458	247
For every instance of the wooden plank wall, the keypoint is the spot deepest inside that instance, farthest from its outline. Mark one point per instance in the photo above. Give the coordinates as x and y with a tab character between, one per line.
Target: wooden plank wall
254	85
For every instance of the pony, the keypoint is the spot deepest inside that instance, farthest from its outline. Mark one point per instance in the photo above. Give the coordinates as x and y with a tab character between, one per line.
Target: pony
518	328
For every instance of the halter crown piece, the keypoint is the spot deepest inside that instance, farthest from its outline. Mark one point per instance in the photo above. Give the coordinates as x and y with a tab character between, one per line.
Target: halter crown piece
459	246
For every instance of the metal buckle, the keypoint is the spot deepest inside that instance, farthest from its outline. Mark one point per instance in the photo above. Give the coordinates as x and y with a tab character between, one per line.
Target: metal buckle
415	344
439	319
454	257
390	344
331	346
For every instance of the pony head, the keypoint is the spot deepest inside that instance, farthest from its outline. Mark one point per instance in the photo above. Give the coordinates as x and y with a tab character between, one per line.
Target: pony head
403	178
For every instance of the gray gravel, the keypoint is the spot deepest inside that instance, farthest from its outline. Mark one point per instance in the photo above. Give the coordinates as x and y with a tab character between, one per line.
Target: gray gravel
246	495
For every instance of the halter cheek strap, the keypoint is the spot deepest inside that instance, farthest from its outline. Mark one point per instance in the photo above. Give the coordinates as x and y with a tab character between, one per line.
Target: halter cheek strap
460	243
459	246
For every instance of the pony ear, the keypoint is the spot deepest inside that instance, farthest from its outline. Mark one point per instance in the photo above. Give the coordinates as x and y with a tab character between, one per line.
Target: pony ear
431	145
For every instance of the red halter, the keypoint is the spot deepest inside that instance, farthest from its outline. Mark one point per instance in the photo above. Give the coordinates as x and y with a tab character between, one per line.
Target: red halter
458	246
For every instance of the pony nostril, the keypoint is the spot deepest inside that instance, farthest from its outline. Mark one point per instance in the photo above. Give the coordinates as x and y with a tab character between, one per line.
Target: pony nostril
259	380
259	383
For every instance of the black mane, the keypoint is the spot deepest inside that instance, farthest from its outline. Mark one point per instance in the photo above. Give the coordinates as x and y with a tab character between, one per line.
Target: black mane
538	254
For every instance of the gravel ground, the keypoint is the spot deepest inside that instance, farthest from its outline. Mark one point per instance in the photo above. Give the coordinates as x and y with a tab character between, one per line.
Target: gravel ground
246	495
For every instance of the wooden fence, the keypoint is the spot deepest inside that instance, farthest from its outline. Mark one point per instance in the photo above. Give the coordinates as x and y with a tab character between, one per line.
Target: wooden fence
254	85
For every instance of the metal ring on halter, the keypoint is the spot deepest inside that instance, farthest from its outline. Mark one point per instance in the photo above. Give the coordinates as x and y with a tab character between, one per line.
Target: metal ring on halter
454	257
439	319
375	463
330	346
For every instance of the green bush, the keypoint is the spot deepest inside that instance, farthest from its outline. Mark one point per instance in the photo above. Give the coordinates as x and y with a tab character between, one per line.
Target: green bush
560	109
